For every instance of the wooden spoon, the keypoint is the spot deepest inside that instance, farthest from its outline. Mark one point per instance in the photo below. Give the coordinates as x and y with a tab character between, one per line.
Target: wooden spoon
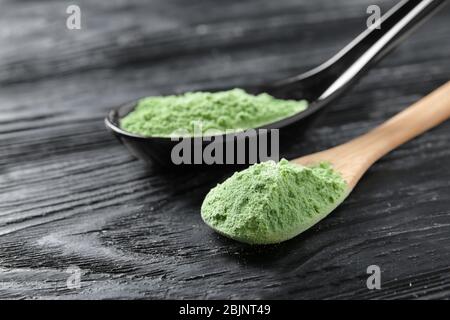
354	158
351	160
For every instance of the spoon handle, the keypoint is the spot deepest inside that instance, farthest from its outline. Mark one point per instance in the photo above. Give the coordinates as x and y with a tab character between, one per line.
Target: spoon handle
356	156
352	159
373	44
408	124
332	77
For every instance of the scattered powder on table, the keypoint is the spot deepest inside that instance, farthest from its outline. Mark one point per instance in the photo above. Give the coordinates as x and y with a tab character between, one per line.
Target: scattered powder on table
162	116
272	202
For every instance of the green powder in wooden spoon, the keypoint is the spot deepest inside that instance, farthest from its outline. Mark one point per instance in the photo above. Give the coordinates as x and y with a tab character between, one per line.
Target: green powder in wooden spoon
220	111
272	202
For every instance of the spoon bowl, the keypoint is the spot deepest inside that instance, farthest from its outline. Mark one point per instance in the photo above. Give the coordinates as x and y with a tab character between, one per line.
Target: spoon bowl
158	150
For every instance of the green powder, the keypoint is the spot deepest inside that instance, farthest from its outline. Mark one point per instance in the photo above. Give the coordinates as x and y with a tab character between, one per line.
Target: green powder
272	202
195	113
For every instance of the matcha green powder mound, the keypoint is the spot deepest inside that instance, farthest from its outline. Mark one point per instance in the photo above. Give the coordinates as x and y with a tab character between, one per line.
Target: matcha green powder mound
195	113
272	202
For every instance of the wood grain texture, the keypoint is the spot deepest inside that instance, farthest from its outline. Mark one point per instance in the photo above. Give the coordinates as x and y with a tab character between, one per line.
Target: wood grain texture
71	195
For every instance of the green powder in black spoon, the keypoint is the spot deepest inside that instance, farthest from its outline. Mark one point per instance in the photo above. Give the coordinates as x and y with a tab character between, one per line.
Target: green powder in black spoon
164	116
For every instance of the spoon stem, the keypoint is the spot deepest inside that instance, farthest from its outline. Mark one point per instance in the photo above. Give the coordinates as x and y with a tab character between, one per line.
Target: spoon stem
392	28
352	159
328	80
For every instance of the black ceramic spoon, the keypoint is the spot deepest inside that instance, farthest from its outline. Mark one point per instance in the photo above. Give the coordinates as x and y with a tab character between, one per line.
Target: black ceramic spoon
320	86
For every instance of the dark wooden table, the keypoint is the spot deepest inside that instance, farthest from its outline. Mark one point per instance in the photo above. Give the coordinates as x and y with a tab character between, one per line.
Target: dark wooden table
71	195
